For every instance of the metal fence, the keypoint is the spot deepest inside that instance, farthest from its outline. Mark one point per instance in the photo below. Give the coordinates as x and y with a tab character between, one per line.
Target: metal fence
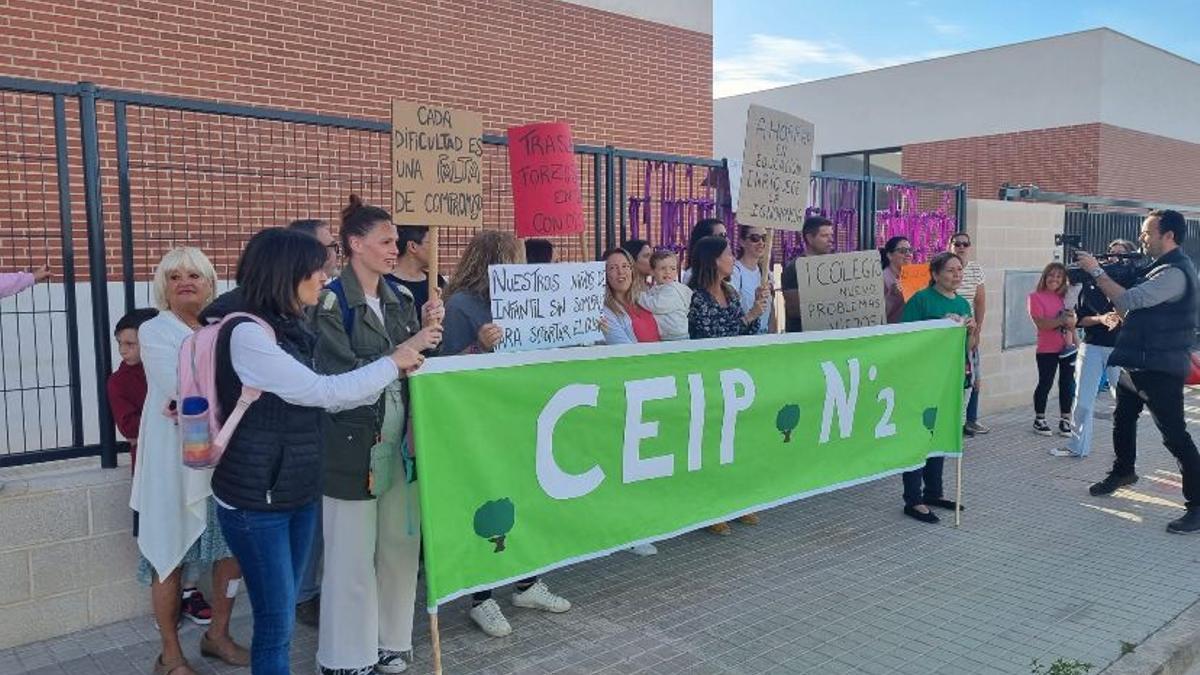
153	172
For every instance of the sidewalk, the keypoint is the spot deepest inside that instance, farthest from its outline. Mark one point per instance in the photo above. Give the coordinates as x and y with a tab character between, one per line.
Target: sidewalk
841	583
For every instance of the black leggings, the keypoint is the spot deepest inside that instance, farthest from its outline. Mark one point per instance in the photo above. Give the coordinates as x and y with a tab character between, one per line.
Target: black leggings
1047	364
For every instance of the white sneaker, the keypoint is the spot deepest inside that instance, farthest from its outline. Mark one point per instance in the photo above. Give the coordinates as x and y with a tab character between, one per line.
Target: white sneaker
490	619
1062	452
392	662
643	549
538	596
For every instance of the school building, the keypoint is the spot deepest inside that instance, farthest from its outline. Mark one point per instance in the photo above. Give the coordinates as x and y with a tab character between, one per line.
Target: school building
1089	113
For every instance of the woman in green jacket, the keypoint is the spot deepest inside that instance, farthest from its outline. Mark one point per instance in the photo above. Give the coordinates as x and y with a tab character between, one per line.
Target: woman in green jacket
370	509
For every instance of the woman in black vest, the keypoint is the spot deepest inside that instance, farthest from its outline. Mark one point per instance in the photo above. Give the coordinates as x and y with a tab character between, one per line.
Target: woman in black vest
370	510
269	478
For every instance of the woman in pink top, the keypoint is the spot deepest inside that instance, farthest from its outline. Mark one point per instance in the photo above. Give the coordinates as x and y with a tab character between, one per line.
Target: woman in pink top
1055	339
15	282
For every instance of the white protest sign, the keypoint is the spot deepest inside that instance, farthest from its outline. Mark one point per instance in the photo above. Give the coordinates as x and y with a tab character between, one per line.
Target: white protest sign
840	290
545	306
775	172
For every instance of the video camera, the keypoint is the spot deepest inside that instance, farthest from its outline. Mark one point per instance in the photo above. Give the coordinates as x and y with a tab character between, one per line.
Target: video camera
1123	268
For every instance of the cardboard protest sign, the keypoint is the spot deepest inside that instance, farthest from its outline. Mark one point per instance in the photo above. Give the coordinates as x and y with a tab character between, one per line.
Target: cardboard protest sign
776	167
437	166
545	306
913	277
547	198
533	462
841	290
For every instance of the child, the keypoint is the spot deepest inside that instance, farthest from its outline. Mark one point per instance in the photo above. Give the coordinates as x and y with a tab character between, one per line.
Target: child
668	300
127	386
126	397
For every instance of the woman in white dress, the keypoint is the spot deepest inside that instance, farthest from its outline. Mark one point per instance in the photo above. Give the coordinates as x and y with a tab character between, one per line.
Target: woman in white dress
176	515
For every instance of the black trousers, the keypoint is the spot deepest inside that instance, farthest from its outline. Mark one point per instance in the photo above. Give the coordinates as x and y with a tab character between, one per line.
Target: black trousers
1162	394
924	483
1047	365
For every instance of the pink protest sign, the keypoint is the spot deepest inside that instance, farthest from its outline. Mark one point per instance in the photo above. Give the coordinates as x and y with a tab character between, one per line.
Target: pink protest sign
547	200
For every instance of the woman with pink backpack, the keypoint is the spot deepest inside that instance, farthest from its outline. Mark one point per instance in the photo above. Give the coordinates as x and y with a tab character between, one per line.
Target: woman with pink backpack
269	477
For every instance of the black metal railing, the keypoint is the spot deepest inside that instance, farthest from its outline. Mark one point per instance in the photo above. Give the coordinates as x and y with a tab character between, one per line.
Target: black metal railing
161	171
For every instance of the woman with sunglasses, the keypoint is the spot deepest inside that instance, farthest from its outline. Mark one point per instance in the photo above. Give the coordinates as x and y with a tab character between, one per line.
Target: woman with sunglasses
747	276
973	290
894	255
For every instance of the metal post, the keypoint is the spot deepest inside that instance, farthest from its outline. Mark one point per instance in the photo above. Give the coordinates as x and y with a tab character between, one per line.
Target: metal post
610	196
596	226
96	269
124	199
962	207
623	203
68	262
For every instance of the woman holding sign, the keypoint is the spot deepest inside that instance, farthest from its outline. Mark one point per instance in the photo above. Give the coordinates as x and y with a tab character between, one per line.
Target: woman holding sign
896	253
923	487
370	511
716	311
469	330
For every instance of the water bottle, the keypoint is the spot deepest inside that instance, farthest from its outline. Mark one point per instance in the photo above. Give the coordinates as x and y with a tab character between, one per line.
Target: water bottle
194	433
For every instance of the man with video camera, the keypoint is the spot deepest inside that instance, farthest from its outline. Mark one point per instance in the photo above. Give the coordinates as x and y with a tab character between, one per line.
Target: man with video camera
1154	348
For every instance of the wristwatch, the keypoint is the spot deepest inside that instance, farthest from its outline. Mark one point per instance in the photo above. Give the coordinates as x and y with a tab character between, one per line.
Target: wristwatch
1097	272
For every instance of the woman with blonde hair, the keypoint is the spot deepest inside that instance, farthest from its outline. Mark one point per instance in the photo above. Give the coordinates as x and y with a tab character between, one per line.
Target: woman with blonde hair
177	522
469	329
1055	347
623	320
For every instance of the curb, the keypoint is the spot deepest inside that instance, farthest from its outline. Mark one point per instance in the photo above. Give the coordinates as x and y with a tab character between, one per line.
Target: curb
1171	650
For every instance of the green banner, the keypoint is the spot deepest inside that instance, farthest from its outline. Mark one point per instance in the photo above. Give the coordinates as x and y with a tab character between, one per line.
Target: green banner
533	461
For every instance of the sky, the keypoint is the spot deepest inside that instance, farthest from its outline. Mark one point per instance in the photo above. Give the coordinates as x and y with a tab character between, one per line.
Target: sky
758	44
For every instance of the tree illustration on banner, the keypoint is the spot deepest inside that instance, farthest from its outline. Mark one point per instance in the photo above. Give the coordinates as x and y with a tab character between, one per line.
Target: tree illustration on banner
930	419
786	421
494	520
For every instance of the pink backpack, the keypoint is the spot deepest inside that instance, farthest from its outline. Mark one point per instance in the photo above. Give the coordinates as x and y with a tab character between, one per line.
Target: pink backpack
203	437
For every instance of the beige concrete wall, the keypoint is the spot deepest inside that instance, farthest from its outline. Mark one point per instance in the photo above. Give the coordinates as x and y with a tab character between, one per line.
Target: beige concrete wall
67	557
1009	236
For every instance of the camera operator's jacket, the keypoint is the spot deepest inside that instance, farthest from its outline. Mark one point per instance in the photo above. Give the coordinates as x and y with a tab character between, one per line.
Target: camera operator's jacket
350	434
1160	337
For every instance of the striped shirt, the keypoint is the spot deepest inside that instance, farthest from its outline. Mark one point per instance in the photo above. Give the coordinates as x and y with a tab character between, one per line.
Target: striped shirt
972	279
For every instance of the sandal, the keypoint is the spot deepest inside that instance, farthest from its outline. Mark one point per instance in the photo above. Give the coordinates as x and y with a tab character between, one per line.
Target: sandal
236	655
176	667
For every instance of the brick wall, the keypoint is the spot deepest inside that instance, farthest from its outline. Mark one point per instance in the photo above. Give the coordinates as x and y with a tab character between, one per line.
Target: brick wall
1137	165
211	181
618	80
1087	159
1063	159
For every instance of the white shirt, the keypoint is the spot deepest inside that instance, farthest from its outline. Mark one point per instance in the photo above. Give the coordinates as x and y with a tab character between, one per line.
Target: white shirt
972	279
747	280
669	303
376	306
262	364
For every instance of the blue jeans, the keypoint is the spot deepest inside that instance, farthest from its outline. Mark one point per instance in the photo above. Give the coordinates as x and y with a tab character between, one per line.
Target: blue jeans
973	400
1090	365
310	582
272	548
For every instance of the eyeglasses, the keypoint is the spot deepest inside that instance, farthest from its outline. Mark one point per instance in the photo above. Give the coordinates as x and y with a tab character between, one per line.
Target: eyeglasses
756	238
962	244
335	247
904	250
